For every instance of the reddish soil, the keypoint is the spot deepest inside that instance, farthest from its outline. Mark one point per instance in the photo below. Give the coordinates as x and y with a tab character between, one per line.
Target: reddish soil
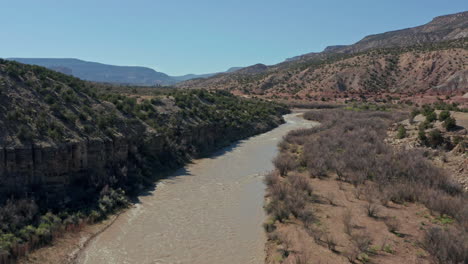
336	199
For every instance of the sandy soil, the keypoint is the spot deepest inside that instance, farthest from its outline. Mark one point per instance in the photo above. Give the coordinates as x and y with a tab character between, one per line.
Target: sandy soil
66	248
336	199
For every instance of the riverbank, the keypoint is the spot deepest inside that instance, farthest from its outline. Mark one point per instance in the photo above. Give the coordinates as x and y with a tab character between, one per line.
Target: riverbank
72	154
195	181
339	194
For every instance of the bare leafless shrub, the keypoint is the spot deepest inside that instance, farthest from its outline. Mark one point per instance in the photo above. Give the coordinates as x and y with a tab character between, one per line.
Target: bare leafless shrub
331	243
301	183
273	236
272	178
392	224
359	192
300	258
283	145
284	163
372	209
307	217
280	190
454	206
362	241
286	239
296	203
348	222
316	233
352	254
447	246
289	198
278	210
384	197
352	145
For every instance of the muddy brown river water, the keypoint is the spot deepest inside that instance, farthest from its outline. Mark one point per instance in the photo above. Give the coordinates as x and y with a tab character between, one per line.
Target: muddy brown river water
210	212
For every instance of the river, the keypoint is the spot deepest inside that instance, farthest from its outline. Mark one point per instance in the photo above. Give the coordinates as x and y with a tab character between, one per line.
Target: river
209	212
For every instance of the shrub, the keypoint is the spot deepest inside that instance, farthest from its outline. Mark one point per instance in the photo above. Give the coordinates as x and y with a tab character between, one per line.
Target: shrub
362	241
444	115
284	163
331	242
49	99
449	123
431	117
352	145
372	209
24	134
414	113
401	132
348	222
435	138
300	183
269	225
392	224
422	136
447	246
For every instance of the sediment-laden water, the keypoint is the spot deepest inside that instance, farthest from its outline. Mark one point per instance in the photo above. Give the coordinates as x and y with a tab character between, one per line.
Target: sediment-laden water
209	212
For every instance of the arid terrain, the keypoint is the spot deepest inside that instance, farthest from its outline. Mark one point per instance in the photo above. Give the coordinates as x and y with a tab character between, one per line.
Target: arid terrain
340	194
416	64
355	154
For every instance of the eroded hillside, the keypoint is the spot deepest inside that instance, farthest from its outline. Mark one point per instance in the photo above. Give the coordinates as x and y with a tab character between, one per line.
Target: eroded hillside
71	150
429	69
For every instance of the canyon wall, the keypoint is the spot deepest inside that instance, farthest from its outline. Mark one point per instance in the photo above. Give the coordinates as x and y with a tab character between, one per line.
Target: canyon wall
97	162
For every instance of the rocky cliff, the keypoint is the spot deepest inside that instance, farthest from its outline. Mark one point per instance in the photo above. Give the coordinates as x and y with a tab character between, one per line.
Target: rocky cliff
62	140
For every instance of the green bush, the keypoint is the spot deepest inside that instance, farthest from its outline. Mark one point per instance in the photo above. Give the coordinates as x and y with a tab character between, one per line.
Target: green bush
24	133
401	132
431	117
422	136
49	99
425	125
450	123
435	138
444	115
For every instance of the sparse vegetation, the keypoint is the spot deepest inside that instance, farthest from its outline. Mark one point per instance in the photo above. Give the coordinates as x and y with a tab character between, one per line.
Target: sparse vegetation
401	132
50	109
450	123
447	246
350	145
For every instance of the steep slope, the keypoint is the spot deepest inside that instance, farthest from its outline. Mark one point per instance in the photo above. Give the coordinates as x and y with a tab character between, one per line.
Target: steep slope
424	69
69	151
442	28
56	130
428	59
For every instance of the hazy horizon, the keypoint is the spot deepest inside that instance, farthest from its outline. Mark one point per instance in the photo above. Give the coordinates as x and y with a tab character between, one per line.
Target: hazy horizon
203	37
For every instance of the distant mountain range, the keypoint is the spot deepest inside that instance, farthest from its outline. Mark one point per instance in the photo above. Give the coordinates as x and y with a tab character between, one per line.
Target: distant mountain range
98	72
421	60
442	28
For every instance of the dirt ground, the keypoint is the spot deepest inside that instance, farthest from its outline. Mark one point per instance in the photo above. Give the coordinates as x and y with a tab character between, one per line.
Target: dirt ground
65	249
345	229
339	201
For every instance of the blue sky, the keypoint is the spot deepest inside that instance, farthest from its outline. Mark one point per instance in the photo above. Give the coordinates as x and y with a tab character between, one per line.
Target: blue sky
199	36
